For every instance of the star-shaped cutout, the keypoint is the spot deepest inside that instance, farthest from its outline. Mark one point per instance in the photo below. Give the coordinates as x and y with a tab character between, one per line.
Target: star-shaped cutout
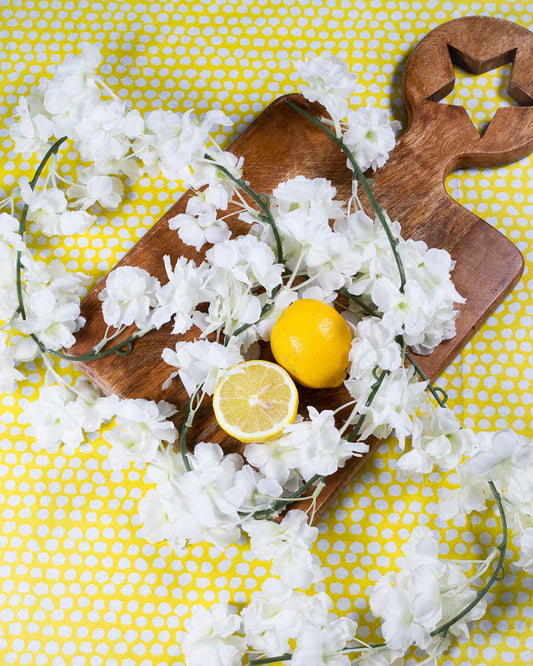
481	95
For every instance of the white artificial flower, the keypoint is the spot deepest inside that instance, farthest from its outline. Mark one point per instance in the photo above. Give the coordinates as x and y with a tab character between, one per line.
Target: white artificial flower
370	136
393	406
526	550
51	297
22	347
499	456
200	224
403	312
141	427
248	260
314	196
232	304
72	90
89	397
48	208
55	418
171	142
128	296
102	133
33	129
322	644
368	236
275	615
210	638
305	240
205	513
343	263
9	375
470	496
328	82
93	187
240	267
425	593
218	184
202	363
179	297
159	518
318	293
252	491
166	469
198	229
76	72
287	545
373	345
310	447
162	509
67	286
8	281
52	321
431	269
277	460
518	498
438	439
9	232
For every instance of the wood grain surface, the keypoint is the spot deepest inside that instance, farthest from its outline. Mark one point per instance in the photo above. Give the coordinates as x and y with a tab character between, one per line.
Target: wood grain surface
281	144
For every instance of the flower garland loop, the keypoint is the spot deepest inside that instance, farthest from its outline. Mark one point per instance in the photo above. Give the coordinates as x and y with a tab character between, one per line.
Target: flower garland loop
302	243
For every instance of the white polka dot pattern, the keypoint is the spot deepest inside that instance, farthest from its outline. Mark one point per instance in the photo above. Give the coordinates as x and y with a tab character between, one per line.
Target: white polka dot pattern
78	586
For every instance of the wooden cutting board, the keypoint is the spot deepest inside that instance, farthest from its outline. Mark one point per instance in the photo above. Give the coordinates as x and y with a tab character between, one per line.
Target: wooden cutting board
281	144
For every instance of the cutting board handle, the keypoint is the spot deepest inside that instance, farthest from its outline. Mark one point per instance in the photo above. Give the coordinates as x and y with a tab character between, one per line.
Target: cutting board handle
477	44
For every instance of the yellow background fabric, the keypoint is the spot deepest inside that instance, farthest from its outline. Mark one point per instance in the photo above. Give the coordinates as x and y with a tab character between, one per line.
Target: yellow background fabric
78	586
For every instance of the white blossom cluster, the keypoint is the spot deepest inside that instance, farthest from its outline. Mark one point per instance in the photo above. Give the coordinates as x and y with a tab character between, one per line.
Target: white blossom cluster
68	414
114	139
504	459
278	618
426	593
368	133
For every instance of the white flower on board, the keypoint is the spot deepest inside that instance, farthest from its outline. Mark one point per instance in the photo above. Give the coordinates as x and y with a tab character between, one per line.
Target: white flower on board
197	229
177	299
370	136
128	296
202	363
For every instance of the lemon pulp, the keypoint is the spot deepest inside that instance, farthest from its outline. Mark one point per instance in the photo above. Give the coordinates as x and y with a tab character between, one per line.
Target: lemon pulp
255	400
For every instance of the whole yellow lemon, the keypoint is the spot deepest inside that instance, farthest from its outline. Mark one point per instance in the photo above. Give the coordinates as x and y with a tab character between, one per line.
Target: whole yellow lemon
312	342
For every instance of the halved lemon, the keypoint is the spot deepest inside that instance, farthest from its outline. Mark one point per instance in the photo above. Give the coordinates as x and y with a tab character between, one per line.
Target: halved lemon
255	400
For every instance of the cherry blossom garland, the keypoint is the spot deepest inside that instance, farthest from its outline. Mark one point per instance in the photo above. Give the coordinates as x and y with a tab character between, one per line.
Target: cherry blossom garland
400	294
